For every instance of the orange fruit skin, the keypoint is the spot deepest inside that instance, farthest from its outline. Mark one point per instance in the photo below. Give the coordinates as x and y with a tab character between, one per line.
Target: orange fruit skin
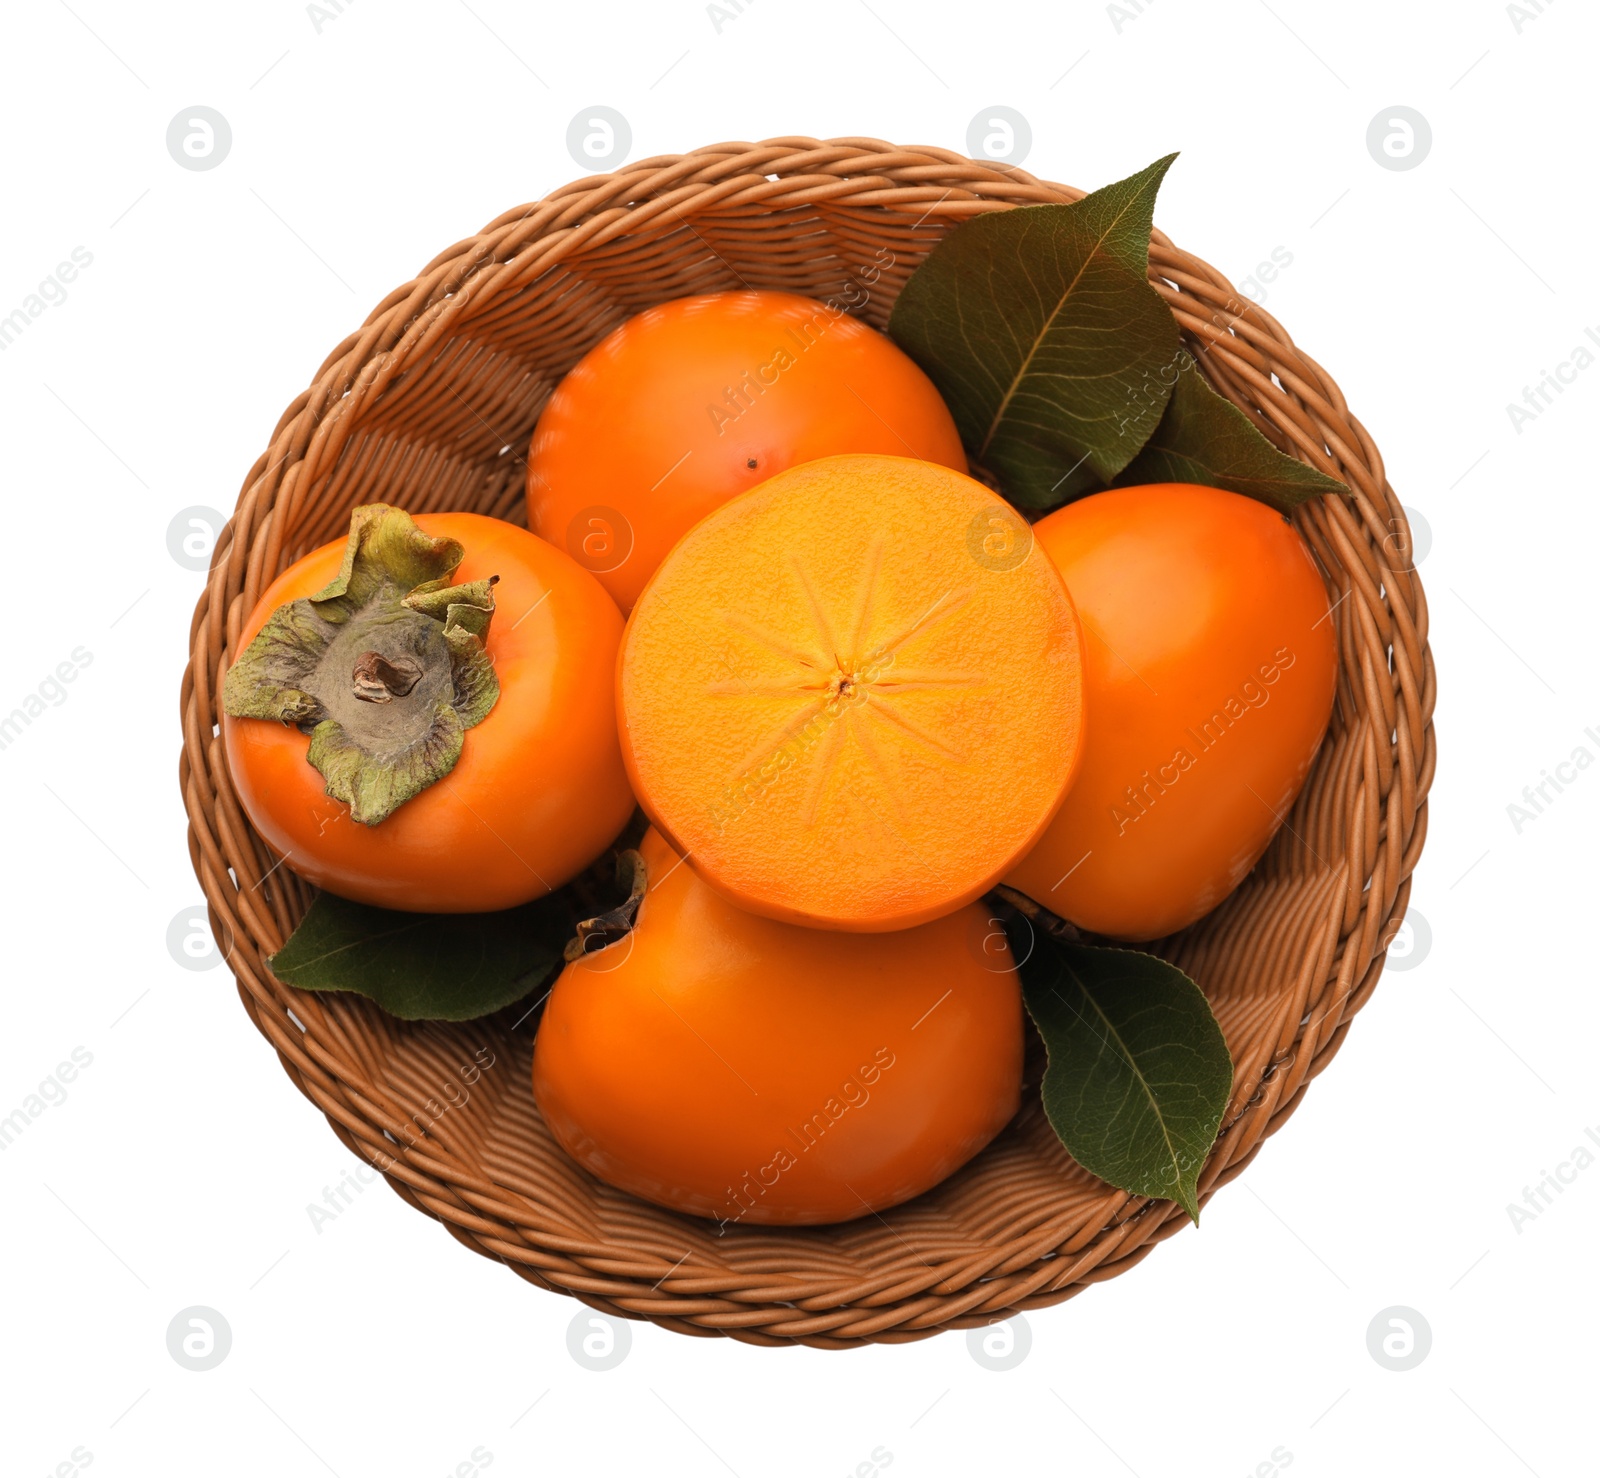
839	709
643	426
1210	663
539	790
729	1066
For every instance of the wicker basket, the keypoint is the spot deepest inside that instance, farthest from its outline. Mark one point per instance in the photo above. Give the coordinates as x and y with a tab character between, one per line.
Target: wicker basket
430	405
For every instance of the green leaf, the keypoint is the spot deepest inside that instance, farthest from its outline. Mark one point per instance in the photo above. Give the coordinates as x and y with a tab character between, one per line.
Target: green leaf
421	966
1205	438
1043	334
1139	1072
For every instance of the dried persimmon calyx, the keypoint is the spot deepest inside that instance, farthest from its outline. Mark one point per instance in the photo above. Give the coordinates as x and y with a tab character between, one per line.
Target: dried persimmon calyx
384	667
616	923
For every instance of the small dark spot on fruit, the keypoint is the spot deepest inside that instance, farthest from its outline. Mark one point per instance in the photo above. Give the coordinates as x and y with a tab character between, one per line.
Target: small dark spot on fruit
751	464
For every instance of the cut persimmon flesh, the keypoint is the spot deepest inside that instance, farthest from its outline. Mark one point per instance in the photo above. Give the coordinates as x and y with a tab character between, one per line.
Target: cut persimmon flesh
852	696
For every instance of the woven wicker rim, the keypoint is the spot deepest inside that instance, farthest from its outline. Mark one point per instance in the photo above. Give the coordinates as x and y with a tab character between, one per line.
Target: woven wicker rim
430	404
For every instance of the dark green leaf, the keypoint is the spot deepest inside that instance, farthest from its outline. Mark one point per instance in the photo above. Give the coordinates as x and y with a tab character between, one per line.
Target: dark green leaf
1139	1072
1205	438
425	966
1045	338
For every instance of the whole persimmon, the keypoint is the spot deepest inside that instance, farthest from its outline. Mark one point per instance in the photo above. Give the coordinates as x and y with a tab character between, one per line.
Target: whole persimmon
852	696
1210	662
729	1066
409	742
693	401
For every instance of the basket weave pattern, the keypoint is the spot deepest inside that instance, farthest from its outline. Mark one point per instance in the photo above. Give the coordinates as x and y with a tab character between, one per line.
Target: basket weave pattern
430	405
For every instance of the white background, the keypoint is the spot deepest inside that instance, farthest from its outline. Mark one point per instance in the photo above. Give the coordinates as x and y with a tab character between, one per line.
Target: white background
179	1168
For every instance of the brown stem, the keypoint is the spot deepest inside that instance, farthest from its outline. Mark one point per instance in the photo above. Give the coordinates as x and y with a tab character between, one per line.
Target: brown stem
375	679
608	928
1052	924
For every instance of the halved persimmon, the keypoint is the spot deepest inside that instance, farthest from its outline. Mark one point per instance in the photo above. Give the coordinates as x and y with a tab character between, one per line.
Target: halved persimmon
852	697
